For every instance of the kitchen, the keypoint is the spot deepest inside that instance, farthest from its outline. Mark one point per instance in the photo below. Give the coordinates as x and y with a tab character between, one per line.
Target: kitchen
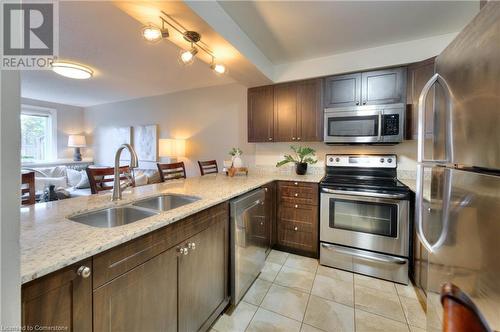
269	249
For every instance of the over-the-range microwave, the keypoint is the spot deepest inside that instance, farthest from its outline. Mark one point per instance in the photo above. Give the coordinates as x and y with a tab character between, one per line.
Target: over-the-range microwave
373	124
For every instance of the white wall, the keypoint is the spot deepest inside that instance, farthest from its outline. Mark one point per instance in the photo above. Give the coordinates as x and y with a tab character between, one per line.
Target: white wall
10	182
212	119
70	121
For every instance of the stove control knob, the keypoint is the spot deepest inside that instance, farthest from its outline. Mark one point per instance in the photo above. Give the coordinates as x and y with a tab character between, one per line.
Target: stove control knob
389	160
381	160
331	159
337	159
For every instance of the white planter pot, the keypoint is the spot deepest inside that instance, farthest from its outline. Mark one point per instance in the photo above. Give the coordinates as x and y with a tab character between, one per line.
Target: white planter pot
237	162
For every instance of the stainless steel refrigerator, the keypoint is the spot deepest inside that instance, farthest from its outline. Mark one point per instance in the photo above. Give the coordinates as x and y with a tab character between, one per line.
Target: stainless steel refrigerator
458	185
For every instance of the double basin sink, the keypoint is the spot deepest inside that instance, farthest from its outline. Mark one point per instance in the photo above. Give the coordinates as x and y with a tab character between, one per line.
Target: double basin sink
122	215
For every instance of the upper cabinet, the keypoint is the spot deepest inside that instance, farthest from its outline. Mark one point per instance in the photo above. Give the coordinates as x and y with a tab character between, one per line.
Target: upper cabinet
260	114
387	86
286	112
343	90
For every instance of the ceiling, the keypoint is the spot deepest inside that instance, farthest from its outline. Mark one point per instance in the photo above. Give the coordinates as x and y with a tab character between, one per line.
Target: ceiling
101	35
289	31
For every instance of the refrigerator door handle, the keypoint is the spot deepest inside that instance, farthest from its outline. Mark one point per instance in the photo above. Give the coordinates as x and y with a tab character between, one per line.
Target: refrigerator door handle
421	121
446	211
419	200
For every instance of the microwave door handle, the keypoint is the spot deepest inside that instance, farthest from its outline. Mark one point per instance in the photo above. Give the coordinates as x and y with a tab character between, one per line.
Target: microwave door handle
379	126
421	121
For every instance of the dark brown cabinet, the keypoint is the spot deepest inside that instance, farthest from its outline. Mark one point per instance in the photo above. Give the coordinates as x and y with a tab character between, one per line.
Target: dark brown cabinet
387	86
143	299
297	217
418	75
260	114
203	277
343	90
296	113
62	299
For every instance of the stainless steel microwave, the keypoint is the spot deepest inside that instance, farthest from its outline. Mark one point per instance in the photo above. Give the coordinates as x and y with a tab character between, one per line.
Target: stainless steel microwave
374	124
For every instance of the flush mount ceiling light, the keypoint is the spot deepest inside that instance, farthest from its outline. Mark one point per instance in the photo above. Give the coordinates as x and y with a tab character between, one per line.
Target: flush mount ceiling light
72	70
186	57
154	34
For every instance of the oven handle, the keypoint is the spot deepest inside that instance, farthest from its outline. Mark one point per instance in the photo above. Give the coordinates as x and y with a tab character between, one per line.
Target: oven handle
357	193
378	258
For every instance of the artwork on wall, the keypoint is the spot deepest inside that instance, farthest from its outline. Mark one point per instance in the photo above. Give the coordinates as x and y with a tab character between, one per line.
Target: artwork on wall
145	142
108	140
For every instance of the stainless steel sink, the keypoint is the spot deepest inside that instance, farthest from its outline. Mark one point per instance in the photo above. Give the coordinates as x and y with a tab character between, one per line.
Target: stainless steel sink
112	217
165	202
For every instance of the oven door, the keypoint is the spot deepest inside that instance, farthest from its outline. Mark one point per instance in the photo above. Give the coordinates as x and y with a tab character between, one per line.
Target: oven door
370	221
353	126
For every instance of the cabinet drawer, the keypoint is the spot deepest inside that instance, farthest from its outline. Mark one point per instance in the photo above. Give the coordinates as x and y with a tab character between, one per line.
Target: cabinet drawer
118	260
298	192
291	212
297	235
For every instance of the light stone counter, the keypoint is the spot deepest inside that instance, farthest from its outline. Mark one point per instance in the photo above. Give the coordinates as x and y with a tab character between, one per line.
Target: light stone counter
49	241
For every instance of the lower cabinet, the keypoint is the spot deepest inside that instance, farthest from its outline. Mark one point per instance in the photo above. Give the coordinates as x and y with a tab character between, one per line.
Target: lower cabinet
173	279
62	300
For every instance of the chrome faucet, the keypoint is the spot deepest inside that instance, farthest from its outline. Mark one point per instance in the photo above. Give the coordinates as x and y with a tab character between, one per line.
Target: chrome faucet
117	186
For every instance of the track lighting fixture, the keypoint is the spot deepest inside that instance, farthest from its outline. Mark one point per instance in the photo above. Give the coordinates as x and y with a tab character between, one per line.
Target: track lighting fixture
153	34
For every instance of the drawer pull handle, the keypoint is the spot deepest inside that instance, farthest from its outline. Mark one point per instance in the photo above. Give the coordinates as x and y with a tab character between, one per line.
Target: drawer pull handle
296	206
295	228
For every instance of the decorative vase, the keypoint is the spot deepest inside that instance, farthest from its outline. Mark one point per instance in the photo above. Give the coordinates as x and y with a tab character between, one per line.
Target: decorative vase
237	162
301	168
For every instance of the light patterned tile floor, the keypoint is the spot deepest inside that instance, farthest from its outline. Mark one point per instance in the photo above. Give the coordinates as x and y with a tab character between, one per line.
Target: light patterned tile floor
295	293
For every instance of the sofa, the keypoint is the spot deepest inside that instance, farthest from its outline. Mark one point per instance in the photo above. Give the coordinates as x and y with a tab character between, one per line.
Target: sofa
73	181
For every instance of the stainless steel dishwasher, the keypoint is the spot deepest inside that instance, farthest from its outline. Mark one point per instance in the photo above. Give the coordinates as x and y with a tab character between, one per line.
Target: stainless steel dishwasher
250	241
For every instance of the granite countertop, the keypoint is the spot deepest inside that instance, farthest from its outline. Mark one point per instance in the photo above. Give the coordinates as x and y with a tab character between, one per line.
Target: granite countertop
49	241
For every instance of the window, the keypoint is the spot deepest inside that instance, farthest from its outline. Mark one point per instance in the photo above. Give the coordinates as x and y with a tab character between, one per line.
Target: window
38	134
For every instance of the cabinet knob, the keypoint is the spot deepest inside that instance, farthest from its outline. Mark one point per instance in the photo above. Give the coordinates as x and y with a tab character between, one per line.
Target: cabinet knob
270	139
296	206
266	190
295	228
192	245
296	183
183	251
293	138
364	103
262	223
84	272
357	103
296	195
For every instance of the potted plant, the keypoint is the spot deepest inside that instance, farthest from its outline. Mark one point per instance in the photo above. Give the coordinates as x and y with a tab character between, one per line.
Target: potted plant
302	156
235	154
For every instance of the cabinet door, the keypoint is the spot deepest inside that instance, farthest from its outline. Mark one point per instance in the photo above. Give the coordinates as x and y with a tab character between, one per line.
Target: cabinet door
203	282
285	112
386	86
309	111
62	299
342	90
143	299
418	74
260	114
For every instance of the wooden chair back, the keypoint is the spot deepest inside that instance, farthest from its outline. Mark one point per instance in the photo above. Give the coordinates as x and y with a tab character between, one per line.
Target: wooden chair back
27	188
101	179
460	314
171	171
208	167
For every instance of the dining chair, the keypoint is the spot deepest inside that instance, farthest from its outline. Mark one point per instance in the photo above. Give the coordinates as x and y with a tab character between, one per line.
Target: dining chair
460	314
28	188
208	167
99	178
171	171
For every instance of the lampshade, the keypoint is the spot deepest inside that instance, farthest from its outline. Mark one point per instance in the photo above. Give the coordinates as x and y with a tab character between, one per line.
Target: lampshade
169	147
77	141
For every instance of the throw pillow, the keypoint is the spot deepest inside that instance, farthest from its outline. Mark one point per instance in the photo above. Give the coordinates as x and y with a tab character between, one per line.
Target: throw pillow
84	181
74	177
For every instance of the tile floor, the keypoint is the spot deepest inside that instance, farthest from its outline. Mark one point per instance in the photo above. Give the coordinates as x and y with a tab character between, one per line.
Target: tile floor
295	293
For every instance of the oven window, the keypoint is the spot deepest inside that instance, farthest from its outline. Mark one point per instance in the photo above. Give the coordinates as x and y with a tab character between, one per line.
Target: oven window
353	126
366	217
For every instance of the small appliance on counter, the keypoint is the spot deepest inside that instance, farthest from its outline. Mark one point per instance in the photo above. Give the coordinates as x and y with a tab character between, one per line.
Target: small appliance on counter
364	217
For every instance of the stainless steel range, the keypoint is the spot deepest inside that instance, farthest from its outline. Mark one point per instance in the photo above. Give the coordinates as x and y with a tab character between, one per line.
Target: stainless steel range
364	217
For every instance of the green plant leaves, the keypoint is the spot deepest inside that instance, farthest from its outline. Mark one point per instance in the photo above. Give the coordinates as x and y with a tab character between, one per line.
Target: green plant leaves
302	155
